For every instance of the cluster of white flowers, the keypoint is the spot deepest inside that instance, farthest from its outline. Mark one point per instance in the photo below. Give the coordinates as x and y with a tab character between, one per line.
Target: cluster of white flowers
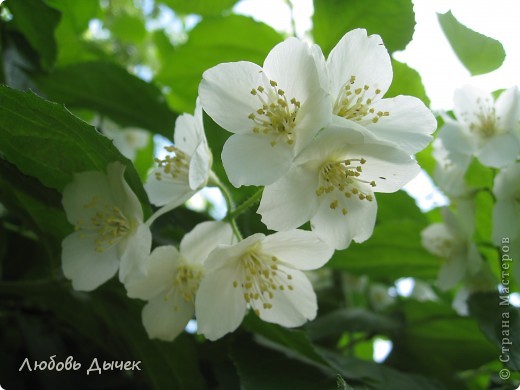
487	131
316	132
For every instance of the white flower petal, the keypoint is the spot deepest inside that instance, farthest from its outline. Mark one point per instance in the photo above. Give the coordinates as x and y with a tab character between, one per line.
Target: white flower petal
466	103
290	201
499	151
200	165
228	255
314	114
292	65
87	268
165	319
299	249
168	190
251	160
134	252
121	192
188	133
364	57
508	109
507	183
388	167
225	94
198	243
290	308
409	125
85	187
339	230
451	272
457	138
160	272
219	306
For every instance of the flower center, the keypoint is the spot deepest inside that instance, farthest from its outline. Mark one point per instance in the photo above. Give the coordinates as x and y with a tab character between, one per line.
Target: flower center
440	245
486	124
186	282
175	166
356	103
262	278
108	223
344	176
276	116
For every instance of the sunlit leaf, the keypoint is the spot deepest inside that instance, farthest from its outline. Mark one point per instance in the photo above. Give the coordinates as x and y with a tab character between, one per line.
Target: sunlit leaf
201	7
478	53
393	20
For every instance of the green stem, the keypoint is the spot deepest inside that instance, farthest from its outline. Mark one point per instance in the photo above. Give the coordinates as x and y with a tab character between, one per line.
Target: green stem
247	204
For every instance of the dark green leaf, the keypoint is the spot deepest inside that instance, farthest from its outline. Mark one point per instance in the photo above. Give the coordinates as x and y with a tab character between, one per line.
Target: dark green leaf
262	368
37	22
212	41
47	142
437	341
351	320
500	322
393	20
201	7
293	342
478	53
407	82
112	91
377	376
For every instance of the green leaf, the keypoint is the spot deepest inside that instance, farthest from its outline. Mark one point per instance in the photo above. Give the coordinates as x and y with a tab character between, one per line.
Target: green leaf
75	19
128	28
393	20
112	91
201	7
500	322
37	22
407	82
478	53
262	368
437	341
478	175
293	342
350	320
47	142
483	216
394	250
211	42
376	376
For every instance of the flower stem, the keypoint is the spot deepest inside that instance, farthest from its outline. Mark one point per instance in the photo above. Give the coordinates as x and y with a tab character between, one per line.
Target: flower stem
248	203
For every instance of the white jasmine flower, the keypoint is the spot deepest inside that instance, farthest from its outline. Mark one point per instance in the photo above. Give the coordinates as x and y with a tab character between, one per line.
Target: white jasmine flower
484	128
359	74
482	280
273	111
109	230
450	168
172	279
127	140
332	184
452	240
186	169
506	214
262	273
